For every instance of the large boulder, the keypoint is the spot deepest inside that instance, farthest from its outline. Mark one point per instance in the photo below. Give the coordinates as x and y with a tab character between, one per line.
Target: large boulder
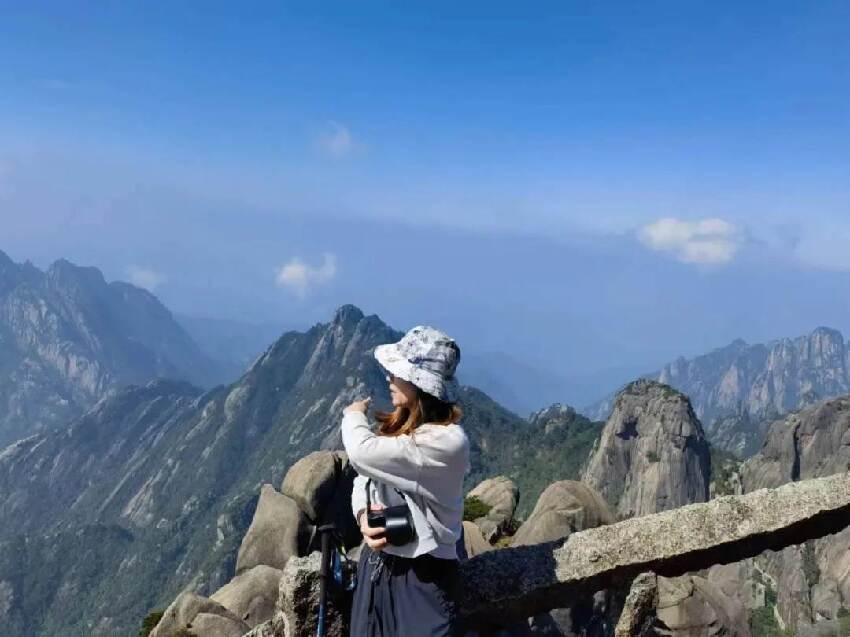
320	484
278	531
652	455
501	495
200	616
212	625
562	509
690	605
252	595
311	481
473	540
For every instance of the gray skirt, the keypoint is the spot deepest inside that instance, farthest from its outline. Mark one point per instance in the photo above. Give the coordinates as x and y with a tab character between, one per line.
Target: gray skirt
404	597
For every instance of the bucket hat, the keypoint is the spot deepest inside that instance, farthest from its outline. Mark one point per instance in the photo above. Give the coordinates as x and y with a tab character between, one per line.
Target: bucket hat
426	357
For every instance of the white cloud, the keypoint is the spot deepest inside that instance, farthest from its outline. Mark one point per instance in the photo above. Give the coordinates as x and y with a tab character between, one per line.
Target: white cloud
705	241
336	141
299	276
145	277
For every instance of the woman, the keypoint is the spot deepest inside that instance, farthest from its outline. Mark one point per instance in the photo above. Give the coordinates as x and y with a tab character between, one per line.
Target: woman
418	456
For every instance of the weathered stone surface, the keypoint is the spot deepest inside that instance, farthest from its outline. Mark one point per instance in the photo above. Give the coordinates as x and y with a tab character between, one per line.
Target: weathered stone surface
473	540
829	628
184	610
811	443
502	495
278	531
523	581
212	625
321	484
272	628
562	509
252	595
638	614
299	601
812	582
652	455
737	581
691	605
311	481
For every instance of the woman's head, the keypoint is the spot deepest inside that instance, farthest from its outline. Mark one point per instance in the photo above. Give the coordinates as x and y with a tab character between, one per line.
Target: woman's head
421	376
413	407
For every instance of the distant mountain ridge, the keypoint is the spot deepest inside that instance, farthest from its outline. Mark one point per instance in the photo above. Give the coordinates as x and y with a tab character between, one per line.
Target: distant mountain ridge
735	388
67	337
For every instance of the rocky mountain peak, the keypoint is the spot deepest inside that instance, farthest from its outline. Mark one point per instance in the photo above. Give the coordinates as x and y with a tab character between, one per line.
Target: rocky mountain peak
62	273
347	315
552	412
652	454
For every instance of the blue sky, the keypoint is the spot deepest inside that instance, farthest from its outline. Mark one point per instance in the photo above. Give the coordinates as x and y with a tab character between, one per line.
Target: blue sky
582	186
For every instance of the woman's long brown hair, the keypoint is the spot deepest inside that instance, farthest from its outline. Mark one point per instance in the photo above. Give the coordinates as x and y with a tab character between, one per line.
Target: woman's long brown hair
426	408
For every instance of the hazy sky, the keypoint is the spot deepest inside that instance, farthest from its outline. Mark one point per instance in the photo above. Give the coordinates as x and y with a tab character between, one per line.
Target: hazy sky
582	186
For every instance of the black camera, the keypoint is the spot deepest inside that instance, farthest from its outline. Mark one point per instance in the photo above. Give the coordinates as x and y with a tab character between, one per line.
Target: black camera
395	519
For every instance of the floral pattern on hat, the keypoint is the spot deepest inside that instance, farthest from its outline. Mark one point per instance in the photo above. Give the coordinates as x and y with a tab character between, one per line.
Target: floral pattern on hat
426	357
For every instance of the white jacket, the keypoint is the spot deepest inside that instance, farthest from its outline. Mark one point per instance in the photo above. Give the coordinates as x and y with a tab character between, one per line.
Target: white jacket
428	466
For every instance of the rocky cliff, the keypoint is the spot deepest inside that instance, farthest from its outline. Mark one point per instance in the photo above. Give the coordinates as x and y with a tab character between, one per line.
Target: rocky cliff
749	384
652	454
67	336
812	581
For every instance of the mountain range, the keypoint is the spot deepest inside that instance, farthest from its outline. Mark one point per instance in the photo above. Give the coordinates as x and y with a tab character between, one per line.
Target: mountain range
736	390
133	475
67	337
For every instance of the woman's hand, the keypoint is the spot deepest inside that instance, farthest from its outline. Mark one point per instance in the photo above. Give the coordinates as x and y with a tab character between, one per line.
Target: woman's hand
370	533
358	405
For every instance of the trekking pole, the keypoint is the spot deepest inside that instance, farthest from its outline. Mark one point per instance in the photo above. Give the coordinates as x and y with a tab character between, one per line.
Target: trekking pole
326	531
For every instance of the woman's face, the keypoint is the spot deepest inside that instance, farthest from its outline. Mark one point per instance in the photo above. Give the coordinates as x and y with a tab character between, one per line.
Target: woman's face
402	392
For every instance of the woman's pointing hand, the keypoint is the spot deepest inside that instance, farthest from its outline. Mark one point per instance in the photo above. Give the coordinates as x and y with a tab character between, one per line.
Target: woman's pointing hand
358	405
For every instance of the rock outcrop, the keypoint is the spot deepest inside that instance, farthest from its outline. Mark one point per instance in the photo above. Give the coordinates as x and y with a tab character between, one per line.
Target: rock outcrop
67	337
200	616
691	605
564	508
501	495
652	455
252	595
743	385
278	531
473	540
638	614
811	581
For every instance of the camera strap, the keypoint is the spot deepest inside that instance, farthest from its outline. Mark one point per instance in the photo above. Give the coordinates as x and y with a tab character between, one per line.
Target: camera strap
369	494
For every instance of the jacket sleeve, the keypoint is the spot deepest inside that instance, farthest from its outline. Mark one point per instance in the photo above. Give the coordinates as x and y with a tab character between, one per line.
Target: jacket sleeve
358	495
394	460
